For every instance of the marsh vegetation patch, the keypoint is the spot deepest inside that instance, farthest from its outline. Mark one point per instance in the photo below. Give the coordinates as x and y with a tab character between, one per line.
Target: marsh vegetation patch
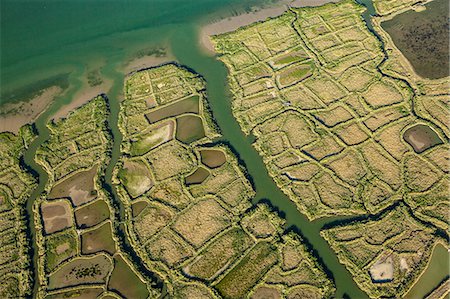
155	137
59	247
250	269
219	254
201	222
136	177
189	223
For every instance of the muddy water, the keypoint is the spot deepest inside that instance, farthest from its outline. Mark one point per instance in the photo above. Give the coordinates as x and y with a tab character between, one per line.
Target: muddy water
423	37
421	137
189	128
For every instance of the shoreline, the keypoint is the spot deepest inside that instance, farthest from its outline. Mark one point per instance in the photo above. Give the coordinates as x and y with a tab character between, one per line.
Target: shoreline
147	61
235	22
16	115
80	98
85	94
19	114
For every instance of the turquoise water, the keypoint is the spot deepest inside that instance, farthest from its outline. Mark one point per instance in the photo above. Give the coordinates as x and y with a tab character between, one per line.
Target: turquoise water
47	39
61	41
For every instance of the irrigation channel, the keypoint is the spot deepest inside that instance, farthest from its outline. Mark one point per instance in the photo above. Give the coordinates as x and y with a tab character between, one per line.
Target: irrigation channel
185	47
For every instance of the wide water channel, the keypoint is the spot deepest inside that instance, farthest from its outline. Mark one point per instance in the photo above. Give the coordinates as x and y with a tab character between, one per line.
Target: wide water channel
178	25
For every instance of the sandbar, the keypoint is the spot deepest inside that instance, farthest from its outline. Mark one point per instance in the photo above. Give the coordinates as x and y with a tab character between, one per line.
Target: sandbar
82	97
15	115
147	62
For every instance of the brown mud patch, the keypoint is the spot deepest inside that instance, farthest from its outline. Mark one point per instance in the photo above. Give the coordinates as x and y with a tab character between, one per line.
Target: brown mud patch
79	187
212	158
197	177
421	137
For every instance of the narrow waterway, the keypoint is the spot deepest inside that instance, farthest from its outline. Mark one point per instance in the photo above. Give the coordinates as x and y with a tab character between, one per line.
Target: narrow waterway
43	135
215	73
184	44
183	38
115	95
436	272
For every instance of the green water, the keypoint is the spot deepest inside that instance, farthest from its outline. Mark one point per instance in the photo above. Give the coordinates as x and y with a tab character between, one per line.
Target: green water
215	73
46	39
67	39
436	272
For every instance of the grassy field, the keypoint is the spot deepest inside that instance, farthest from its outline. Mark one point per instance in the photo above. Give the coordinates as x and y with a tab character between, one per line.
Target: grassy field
81	254
16	185
195	226
345	128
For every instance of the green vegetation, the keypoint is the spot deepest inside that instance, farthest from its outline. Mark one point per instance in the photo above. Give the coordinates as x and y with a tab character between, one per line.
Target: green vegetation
16	185
60	247
381	254
136	177
249	270
76	143
222	251
333	118
385	7
143	143
193	226
76	213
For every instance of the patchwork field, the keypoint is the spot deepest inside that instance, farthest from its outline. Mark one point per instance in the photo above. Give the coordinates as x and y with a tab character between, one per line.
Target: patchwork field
80	255
16	185
345	128
194	225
